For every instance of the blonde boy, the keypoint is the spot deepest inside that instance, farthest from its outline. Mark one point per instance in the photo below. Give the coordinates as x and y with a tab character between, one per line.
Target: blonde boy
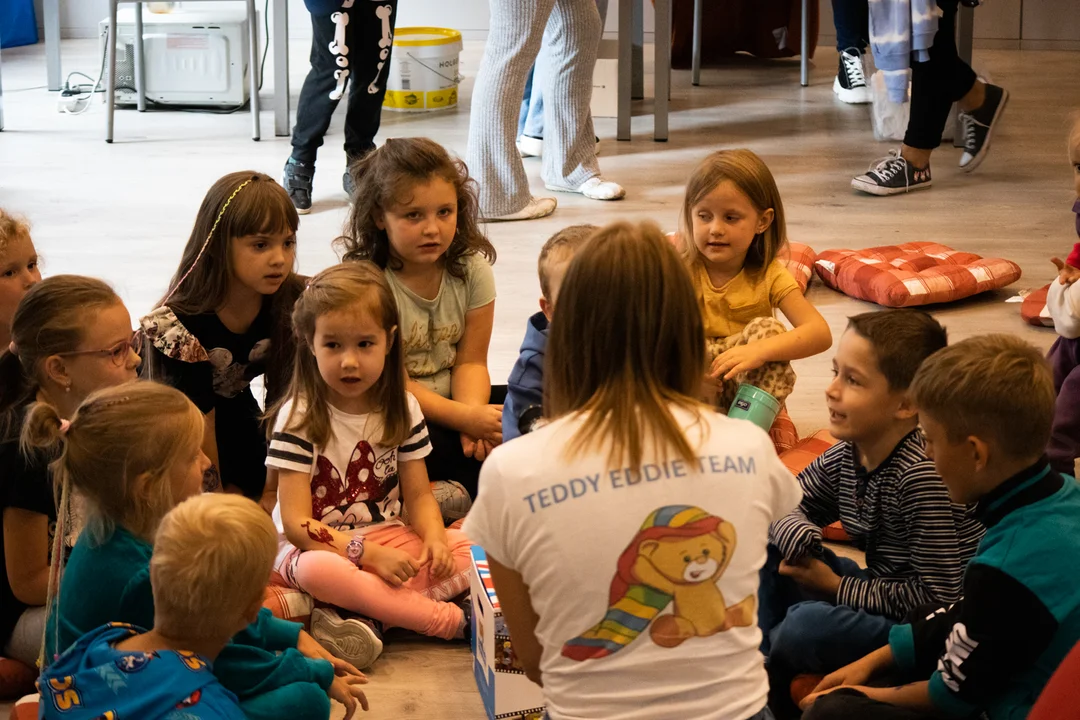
525	388
986	407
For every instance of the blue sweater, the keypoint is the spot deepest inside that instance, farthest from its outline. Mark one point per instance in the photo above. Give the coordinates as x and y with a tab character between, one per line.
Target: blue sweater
92	680
994	650
525	388
898	30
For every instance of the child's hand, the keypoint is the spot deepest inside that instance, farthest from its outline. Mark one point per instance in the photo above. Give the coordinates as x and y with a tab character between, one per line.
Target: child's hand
1067	274
468	445
346	690
813	574
857	673
739	359
309	647
485	423
437	552
392	565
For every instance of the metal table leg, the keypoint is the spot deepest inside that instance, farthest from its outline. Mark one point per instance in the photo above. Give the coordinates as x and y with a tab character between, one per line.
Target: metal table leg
140	60
253	67
51	20
281	68
110	72
662	64
626	50
804	51
695	71
1	97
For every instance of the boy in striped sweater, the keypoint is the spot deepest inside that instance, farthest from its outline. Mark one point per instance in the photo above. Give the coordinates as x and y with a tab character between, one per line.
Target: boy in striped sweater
986	407
820	612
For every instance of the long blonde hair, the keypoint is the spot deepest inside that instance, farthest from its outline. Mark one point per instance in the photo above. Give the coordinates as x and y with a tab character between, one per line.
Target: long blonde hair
630	296
336	288
751	176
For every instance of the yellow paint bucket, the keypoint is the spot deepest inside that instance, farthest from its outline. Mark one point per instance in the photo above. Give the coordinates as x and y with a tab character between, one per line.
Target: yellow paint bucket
423	71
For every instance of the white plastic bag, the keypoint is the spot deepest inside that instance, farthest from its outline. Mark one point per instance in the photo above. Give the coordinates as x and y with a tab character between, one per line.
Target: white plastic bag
889	119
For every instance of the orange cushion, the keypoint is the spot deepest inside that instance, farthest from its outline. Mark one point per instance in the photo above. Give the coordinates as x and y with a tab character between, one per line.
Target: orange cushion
919	273
288	603
25	709
799	259
783	432
1033	309
16	679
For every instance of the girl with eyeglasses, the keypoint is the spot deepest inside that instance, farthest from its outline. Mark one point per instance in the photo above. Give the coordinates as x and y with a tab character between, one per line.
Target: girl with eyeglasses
70	336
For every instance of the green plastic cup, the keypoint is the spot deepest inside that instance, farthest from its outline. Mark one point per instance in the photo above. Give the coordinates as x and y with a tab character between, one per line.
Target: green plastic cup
756	405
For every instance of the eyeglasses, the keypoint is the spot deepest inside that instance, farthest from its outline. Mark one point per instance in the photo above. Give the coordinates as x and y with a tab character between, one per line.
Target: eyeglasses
118	353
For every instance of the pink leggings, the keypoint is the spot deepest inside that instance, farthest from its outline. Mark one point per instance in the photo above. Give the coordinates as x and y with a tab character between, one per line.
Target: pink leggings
418	605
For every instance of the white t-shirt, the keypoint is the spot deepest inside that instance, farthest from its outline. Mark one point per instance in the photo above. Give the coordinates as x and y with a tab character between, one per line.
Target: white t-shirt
645	580
354	478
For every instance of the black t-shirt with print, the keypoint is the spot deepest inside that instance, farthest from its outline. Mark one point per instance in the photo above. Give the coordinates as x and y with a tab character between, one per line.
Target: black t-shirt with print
24	484
222	384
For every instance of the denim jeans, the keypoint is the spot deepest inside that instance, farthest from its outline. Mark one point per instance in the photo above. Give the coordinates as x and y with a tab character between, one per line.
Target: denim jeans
531	118
852	21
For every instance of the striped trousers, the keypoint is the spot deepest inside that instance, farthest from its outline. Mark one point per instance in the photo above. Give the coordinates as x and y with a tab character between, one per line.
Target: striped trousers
570	30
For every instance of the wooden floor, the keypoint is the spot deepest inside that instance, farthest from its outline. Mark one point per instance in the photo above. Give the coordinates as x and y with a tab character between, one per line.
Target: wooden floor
124	211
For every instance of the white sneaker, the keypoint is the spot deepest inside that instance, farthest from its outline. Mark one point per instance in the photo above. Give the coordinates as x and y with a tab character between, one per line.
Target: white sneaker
850	83
453	498
347	639
595	188
537	208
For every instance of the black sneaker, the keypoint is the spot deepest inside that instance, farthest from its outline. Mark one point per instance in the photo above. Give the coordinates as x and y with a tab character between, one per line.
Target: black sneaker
297	180
850	83
979	124
891	176
464	601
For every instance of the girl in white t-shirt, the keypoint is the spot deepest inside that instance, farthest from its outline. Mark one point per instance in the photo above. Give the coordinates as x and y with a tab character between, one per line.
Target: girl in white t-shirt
415	216
349	444
625	537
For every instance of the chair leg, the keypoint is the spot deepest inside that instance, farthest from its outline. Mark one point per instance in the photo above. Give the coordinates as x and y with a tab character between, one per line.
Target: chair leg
253	70
695	72
804	53
1	97
110	72
140	60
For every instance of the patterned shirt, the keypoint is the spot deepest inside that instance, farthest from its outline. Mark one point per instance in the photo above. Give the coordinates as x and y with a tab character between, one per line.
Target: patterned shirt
917	542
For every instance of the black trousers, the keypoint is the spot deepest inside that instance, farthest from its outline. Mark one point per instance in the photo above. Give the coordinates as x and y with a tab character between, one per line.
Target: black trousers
447	460
350	52
853	705
937	83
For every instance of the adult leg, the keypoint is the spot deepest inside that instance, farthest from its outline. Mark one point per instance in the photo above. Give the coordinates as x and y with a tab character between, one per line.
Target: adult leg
514	38
325	83
573	35
371	31
1064	445
852	21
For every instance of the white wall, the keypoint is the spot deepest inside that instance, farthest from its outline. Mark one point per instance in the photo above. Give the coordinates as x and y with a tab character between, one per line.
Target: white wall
79	18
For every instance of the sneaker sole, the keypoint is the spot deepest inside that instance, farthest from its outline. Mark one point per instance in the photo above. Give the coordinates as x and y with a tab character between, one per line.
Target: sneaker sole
874	189
352	641
978	159
302	211
849	96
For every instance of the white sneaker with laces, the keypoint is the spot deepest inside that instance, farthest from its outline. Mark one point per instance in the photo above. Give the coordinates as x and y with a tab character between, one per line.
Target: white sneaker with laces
850	83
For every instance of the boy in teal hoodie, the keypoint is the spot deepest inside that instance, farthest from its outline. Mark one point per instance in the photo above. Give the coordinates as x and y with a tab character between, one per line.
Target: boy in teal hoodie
201	591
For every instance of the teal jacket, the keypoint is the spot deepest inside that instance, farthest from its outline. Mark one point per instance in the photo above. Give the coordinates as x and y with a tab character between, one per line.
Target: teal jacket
995	649
110	582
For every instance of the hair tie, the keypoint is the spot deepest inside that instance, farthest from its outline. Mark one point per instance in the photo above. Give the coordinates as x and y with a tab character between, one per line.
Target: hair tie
206	243
65	425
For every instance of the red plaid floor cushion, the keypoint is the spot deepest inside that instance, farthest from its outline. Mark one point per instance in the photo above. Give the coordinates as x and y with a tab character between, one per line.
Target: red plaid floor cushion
798	257
919	273
1033	309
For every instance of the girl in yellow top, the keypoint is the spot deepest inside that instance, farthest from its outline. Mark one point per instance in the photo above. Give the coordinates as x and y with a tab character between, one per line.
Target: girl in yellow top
734	238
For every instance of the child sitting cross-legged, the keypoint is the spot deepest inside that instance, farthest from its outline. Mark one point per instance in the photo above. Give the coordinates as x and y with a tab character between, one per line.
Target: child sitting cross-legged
133	452
986	407
525	388
820	612
211	562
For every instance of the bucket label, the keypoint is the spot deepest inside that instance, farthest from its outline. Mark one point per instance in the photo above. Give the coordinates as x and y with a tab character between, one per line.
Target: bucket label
742	404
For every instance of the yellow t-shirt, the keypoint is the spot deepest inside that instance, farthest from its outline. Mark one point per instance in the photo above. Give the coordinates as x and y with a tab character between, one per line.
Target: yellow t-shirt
729	309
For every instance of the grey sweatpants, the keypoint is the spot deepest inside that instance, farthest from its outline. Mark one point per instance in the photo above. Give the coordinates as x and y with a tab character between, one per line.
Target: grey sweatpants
571	31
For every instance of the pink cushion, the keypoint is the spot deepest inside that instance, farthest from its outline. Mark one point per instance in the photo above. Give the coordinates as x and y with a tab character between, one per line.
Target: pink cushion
919	273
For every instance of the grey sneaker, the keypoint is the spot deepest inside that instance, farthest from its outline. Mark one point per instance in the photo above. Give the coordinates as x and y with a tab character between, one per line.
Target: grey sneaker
891	176
454	501
296	180
356	640
979	124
